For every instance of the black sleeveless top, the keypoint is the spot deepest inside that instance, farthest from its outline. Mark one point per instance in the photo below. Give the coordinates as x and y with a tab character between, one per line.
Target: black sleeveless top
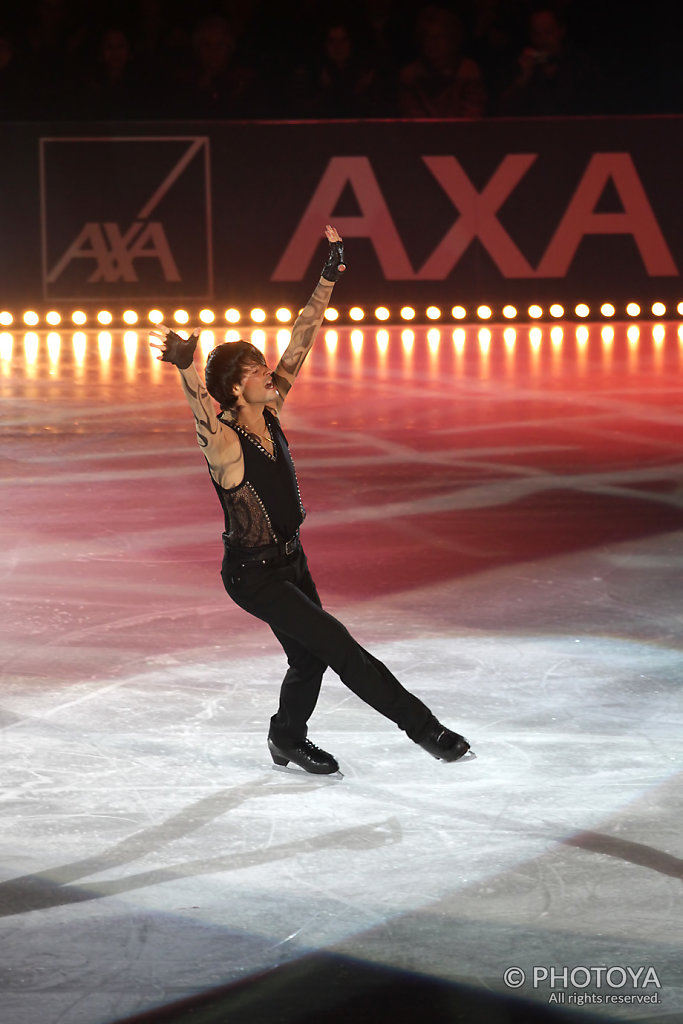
265	508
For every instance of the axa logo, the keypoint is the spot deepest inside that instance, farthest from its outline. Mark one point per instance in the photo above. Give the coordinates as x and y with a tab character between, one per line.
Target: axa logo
126	215
114	253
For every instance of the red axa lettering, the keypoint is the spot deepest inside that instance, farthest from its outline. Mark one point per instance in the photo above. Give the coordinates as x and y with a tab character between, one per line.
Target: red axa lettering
375	222
477	216
478	219
637	218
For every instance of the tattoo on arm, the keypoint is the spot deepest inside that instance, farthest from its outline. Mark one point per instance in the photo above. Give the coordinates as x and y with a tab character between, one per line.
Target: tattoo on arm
200	402
304	331
282	384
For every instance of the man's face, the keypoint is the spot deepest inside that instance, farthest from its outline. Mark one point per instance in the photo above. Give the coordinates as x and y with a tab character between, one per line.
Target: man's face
257	385
546	32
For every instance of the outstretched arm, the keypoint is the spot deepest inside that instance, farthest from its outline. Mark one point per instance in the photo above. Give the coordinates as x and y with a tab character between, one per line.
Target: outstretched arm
220	446
308	322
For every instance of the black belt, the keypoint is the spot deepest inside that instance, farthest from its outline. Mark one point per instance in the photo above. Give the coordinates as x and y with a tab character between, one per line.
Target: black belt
256	556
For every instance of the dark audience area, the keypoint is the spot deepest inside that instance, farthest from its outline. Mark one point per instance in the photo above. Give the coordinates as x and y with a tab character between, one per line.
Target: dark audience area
262	59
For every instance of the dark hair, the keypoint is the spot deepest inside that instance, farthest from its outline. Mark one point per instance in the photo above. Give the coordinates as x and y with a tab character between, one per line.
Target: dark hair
226	366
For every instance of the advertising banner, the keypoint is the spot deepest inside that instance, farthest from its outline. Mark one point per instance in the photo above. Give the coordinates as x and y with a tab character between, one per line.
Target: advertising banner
583	209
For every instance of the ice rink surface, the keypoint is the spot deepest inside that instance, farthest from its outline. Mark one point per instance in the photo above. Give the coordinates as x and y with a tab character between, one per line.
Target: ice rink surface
501	521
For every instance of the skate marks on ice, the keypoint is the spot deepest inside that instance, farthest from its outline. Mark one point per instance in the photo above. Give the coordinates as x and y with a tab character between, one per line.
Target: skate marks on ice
153	802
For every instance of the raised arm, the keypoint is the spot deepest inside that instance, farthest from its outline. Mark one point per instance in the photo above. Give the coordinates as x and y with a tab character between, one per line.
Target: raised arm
219	444
310	318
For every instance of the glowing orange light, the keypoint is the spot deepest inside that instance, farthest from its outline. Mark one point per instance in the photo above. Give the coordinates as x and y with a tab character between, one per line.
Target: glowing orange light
130	345
607	309
458	312
407	313
207	341
433	312
535	312
104	344
53	318
556	310
633	309
155	316
31	347
484	336
356	341
284	315
679	309
509	337
382	313
459	338
582	335
408	340
53	345
658	309
331	314
484	312
383	341
6	318
232	316
257	315
258	338
607	334
181	316
556	335
6	343
433	339
283	338
232	335
104	317
206	316
633	334
78	317
509	312
30	318
129	317
582	309
331	339
356	313
659	333
79	343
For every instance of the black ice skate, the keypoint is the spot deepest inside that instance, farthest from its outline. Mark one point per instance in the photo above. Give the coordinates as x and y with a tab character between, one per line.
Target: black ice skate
445	745
307	756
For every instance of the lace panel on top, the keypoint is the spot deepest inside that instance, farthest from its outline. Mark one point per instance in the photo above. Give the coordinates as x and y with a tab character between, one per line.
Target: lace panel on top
249	522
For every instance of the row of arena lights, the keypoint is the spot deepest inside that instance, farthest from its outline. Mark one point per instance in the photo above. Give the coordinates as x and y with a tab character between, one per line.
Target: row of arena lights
355	314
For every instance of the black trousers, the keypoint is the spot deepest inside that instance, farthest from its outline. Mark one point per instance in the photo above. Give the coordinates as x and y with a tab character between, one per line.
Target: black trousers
283	594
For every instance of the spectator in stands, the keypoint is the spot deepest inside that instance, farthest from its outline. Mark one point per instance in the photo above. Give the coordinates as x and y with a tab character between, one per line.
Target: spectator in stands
52	35
498	30
344	81
216	85
442	81
113	88
553	77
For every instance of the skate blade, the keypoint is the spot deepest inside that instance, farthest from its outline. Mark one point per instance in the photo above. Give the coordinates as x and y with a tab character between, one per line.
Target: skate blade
300	773
469	756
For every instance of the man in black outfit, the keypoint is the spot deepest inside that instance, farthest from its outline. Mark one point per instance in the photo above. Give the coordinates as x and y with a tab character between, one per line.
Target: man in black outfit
264	567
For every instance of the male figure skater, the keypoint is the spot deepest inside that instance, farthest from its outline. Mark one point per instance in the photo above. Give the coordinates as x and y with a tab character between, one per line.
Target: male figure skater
264	566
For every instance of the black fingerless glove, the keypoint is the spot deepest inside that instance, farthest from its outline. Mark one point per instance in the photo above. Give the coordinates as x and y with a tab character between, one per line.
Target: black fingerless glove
178	351
334	265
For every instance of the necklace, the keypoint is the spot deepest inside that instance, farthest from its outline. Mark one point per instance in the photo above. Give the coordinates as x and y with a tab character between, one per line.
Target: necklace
266	438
